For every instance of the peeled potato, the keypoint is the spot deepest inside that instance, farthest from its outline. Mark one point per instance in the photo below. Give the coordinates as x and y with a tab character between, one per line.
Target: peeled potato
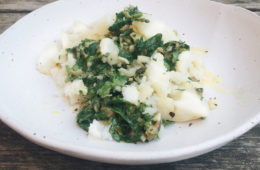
189	107
154	27
73	89
49	58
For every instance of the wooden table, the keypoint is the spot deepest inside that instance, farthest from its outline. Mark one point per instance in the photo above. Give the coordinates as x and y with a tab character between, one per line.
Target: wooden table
18	153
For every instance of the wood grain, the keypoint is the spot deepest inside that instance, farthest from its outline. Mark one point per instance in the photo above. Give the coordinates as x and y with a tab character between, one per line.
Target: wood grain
7	19
21	5
253	5
18	153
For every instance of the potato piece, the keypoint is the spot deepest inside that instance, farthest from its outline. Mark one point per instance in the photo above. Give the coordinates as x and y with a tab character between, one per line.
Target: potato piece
189	107
73	90
157	76
154	27
145	91
49	59
99	130
131	94
59	75
107	46
165	105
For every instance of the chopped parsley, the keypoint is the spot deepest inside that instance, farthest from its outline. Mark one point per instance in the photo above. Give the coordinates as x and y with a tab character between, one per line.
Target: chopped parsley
104	100
171	52
200	92
166	123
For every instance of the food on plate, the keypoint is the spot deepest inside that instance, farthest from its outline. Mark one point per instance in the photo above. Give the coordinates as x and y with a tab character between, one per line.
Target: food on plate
128	75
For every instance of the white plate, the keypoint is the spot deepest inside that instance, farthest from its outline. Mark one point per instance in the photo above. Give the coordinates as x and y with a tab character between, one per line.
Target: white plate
27	98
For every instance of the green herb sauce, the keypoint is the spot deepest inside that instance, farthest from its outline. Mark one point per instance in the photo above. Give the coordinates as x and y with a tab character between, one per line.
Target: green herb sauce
104	100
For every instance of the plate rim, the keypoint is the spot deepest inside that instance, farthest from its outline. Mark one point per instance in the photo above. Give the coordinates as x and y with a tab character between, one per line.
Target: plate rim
124	157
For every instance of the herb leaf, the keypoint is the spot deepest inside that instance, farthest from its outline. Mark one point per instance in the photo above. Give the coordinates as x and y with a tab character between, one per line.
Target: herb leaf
149	46
126	17
171	52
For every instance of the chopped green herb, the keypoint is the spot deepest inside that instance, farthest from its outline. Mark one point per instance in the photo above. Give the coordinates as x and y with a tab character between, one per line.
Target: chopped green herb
203	118
193	79
125	54
180	89
126	18
199	91
167	123
104	100
171	52
149	46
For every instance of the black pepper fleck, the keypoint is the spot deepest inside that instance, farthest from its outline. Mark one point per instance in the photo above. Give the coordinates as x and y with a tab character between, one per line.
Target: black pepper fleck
190	124
172	114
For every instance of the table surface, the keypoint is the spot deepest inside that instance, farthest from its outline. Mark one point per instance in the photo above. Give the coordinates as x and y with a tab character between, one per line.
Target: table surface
18	153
